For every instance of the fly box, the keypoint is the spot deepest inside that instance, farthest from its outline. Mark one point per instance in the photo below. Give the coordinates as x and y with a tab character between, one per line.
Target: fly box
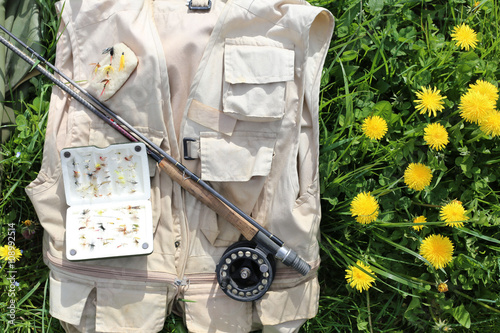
107	190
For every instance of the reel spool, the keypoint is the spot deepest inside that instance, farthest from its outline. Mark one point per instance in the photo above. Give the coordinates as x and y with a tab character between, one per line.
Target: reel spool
245	272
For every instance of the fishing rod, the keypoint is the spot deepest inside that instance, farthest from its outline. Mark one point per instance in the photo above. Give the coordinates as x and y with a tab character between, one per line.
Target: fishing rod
243	263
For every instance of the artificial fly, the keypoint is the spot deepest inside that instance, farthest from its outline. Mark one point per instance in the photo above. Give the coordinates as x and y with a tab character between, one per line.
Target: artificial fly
122	62
96	68
111	51
105	81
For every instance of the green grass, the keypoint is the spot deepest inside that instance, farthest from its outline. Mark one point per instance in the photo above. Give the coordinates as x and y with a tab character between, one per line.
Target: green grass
382	53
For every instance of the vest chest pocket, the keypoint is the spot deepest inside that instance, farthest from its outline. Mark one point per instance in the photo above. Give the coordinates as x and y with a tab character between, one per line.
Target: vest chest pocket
237	158
256	70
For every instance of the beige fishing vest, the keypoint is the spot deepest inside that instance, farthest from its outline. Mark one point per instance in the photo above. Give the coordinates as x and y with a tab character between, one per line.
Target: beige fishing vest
241	82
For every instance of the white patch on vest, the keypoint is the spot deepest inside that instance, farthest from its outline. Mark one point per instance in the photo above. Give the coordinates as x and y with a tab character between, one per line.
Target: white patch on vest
109	75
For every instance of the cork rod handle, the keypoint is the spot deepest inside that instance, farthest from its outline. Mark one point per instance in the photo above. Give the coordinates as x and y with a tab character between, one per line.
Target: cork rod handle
199	192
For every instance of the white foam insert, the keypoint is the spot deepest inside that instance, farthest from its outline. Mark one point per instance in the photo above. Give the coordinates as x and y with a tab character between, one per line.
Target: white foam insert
111	72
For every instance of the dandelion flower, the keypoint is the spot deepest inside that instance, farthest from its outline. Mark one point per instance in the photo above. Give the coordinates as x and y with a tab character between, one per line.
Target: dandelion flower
365	208
485	88
374	127
474	106
442	326
28	230
357	278
4	252
453	214
429	100
491	124
435	136
10	253
464	36
27	223
417	176
419	219
442	287
438	250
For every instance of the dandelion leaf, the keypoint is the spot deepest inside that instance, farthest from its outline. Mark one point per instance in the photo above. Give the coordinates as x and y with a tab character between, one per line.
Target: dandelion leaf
462	316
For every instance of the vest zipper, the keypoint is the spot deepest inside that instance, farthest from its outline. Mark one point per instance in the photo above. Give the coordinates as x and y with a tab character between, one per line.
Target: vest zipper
107	273
177	193
203	278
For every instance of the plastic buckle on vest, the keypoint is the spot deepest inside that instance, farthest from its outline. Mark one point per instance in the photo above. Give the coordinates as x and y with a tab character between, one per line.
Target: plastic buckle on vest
198	7
185	143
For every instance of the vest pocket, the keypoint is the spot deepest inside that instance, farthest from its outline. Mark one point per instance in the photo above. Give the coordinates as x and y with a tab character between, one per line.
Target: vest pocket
109	304
237	158
237	166
256	70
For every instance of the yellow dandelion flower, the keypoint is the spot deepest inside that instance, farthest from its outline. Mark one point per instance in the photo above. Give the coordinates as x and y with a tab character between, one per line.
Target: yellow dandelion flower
4	252
438	250
485	88
490	125
357	278
453	214
464	36
429	100
10	253
417	176
474	106
436	136
365	208
27	223
442	287
374	127
419	219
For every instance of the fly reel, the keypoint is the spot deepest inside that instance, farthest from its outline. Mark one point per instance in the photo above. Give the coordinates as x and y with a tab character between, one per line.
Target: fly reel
245	272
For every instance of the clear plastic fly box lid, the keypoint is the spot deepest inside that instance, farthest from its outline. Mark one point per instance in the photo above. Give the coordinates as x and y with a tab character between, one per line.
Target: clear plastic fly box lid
108	192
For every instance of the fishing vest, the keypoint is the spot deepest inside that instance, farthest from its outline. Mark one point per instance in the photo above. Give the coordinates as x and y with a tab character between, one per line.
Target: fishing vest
232	92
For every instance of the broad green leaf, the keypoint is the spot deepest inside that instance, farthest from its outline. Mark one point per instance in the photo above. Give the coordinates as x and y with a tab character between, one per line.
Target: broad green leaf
461	315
